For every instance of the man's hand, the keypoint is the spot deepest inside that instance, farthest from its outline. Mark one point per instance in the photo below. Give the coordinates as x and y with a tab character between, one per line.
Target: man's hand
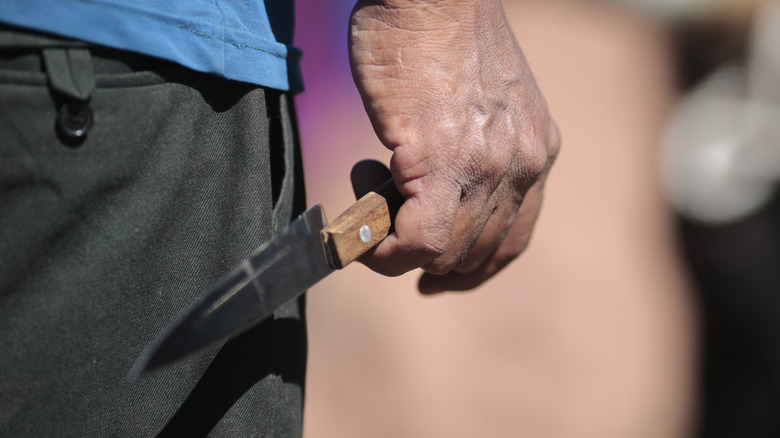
448	90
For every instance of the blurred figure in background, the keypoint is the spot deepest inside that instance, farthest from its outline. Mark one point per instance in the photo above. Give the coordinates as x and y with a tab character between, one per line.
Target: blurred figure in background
721	167
592	333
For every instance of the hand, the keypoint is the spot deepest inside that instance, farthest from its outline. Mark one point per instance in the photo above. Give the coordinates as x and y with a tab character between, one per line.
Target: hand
448	90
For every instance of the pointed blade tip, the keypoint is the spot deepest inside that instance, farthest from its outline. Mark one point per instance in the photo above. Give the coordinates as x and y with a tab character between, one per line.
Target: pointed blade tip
180	339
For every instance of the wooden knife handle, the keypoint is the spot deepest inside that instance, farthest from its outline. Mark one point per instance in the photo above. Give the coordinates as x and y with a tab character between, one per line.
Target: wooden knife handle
363	225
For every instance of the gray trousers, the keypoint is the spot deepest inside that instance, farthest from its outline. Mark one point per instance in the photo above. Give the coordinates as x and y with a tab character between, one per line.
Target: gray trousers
128	185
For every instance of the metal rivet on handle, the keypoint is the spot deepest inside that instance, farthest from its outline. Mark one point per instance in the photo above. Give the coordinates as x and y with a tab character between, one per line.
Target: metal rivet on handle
365	233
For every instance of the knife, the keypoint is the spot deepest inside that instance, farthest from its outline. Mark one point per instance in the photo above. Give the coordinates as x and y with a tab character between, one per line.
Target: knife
276	273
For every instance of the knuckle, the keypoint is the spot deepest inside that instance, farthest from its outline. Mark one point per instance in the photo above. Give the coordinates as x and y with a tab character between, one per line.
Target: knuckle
435	250
442	265
540	150
435	269
553	141
469	265
535	160
514	249
433	245
514	252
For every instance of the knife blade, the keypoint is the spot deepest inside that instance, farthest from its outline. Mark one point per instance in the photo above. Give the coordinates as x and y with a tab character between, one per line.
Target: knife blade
276	273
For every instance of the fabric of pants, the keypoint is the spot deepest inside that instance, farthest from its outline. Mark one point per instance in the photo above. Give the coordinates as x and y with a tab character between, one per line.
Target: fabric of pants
128	186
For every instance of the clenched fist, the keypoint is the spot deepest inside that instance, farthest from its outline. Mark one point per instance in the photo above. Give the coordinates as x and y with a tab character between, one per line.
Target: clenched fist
448	90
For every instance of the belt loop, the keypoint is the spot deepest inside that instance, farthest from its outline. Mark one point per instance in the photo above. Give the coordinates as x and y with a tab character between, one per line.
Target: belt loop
70	72
72	79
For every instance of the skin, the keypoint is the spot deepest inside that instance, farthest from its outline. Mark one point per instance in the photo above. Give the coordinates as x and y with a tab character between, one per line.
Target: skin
448	91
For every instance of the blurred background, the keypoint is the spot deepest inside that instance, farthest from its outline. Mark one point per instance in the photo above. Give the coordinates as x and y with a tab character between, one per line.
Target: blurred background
645	305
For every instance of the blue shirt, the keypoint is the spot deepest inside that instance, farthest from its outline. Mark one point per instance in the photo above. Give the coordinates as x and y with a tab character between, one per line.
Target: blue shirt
244	40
